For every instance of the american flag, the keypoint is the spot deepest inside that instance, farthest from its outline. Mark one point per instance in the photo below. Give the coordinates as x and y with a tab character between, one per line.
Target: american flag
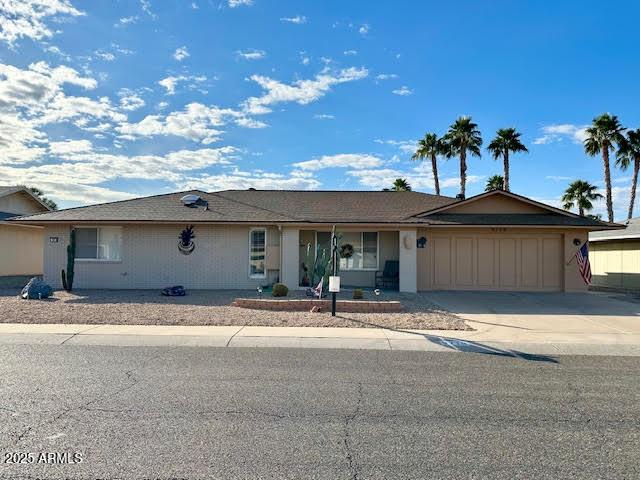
582	256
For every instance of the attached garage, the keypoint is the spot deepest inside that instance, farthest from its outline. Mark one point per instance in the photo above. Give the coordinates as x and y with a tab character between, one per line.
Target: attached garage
463	261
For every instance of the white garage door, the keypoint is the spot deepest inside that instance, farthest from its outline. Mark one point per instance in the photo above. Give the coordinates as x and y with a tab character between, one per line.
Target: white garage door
497	262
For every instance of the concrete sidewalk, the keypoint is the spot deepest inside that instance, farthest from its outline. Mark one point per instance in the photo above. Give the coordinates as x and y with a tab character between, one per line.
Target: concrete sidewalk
487	342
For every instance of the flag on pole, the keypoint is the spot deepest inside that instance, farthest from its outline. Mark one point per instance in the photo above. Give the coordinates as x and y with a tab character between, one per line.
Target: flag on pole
582	256
318	289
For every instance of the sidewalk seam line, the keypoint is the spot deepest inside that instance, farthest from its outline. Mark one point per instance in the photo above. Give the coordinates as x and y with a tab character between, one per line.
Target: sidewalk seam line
79	333
234	335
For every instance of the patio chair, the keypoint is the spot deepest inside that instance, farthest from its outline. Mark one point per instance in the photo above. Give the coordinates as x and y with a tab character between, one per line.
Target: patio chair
390	276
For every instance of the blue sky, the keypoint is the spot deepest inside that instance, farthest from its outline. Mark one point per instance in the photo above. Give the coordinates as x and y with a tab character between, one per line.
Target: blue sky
103	101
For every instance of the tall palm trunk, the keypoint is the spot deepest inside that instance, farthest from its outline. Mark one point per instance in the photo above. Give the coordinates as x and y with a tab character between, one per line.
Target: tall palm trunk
506	170
634	185
607	180
463	172
434	168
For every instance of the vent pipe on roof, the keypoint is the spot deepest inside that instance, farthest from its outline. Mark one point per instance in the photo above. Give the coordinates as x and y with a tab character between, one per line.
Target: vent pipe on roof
460	196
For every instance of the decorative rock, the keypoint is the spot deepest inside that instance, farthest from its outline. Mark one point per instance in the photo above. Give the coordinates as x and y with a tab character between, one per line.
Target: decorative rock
36	289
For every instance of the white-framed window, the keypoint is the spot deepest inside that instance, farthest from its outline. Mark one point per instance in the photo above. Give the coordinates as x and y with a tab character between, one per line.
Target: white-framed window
365	249
99	243
257	252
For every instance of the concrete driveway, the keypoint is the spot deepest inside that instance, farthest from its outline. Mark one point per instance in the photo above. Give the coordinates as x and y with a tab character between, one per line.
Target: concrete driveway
545	317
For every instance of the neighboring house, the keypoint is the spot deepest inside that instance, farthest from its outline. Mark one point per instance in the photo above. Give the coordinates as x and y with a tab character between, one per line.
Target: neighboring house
246	238
615	257
21	245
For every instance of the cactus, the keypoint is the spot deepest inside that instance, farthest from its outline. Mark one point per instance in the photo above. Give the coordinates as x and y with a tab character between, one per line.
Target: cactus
67	277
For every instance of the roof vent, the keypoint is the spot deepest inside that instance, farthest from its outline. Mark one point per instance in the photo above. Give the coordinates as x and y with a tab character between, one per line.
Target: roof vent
190	200
460	196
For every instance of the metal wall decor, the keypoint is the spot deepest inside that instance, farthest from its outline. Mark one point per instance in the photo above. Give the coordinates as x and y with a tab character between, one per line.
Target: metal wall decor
185	244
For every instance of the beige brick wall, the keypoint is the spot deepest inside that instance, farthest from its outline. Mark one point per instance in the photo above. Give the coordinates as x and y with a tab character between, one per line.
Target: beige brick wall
150	259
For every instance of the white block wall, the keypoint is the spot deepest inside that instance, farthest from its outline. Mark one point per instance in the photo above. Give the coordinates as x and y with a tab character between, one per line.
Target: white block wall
151	260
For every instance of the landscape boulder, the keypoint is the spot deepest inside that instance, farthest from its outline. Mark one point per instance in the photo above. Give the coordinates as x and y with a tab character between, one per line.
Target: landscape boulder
36	289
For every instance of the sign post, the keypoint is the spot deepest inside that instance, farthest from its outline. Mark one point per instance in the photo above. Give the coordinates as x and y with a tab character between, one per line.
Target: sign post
334	280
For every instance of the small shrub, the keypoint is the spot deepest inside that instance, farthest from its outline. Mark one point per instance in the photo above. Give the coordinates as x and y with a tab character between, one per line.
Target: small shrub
280	290
358	294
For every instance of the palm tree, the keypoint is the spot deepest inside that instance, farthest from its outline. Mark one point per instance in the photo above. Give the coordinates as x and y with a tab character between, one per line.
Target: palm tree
605	133
507	140
495	182
401	185
580	193
627	154
463	136
430	147
40	194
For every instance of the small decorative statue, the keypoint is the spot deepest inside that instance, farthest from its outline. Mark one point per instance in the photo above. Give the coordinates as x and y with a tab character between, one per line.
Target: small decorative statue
186	245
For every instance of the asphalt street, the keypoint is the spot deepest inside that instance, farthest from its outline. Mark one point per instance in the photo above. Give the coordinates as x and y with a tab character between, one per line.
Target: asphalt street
194	412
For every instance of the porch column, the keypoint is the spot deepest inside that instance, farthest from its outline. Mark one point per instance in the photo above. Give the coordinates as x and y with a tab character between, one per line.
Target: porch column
408	261
289	261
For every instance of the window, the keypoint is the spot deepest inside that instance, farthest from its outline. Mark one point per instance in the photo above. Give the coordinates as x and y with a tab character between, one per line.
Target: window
365	249
99	243
257	252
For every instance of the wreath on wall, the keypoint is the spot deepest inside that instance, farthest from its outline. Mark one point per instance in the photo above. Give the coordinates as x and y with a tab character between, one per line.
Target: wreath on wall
185	244
346	250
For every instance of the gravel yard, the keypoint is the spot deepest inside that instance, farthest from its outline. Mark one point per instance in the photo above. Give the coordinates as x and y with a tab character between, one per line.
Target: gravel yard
208	307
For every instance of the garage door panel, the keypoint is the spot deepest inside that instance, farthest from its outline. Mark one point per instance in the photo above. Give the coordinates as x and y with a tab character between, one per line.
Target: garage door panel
529	263
507	263
498	262
552	263
442	262
486	262
464	262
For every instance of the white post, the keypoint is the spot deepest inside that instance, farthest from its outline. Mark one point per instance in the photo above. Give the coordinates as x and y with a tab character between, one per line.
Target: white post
289	261
408	261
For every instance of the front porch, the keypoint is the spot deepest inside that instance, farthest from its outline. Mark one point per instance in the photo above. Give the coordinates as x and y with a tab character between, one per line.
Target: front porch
372	248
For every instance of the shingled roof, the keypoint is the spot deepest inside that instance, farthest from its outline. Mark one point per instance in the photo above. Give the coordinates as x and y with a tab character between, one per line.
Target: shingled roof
296	206
256	206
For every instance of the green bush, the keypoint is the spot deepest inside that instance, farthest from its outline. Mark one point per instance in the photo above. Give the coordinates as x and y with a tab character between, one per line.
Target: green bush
280	290
358	294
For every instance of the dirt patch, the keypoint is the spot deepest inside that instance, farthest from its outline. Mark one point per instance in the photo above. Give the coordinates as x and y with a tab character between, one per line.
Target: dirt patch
208	307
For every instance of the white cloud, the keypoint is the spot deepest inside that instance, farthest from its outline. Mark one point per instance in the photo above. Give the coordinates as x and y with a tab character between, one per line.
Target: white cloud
342	160
386	76
558	178
405	146
350	53
298	19
239	3
301	91
26	18
106	56
323	116
146	8
131	101
171	82
558	132
242	180
419	177
364	29
70	146
197	122
402	91
126	21
181	53
252	54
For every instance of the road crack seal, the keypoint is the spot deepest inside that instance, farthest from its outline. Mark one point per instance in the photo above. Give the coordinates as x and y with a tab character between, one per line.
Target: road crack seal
353	465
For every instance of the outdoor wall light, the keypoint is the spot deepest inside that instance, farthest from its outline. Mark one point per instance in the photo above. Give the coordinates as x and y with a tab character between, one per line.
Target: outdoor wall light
577	241
259	292
421	242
